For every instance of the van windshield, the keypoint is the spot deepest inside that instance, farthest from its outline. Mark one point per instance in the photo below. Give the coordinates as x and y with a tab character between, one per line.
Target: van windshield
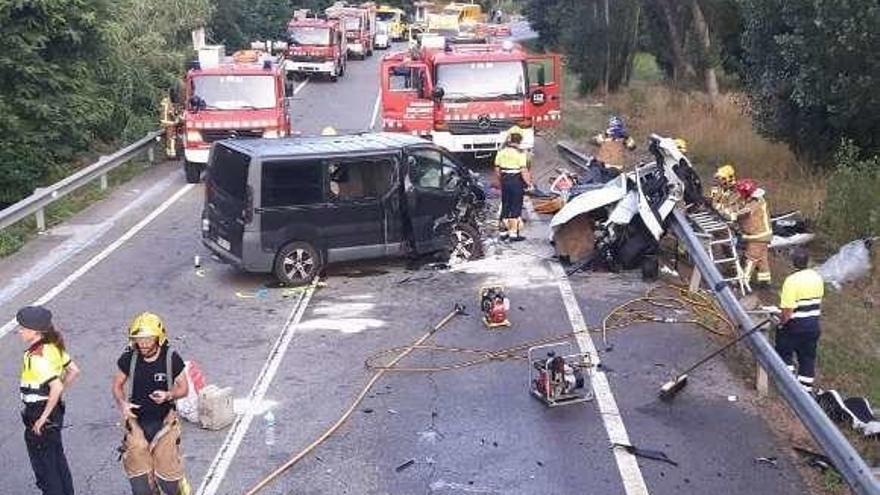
309	35
228	172
235	92
469	80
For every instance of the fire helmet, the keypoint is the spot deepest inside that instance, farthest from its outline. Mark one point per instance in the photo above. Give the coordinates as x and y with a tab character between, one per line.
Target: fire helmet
726	174
681	144
147	324
746	187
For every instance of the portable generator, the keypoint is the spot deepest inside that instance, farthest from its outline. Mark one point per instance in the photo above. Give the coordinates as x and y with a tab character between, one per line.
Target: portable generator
560	376
494	305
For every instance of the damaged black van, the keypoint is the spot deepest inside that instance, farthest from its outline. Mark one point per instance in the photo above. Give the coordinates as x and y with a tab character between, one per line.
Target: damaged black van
290	206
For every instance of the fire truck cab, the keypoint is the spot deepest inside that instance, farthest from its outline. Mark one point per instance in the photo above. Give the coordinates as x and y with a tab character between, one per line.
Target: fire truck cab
359	24
315	46
466	97
230	97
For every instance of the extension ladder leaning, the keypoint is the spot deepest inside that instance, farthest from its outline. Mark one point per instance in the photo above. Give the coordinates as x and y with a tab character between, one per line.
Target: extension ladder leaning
720	243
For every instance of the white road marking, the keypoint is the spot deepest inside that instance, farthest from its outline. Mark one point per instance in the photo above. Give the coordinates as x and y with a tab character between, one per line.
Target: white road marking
48	296
81	237
375	111
627	464
217	471
300	86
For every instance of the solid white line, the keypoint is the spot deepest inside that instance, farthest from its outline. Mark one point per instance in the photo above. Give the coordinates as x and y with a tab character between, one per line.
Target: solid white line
82	237
11	324
217	471
375	111
627	464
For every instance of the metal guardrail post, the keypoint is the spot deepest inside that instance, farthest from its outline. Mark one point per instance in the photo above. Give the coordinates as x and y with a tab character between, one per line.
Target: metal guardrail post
41	220
151	155
104	182
845	458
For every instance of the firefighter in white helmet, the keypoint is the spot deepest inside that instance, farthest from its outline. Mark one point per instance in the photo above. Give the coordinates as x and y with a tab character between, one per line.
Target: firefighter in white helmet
150	377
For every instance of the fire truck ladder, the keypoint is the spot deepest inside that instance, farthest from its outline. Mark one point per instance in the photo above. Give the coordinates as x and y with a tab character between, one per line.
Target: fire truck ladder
720	243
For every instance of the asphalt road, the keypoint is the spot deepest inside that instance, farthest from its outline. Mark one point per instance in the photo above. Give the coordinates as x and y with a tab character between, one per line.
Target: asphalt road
473	430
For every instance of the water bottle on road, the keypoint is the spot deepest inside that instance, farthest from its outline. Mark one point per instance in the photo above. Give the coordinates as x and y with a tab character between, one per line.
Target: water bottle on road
269	421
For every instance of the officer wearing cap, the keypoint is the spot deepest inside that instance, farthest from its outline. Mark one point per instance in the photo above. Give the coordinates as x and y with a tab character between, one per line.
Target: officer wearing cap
46	371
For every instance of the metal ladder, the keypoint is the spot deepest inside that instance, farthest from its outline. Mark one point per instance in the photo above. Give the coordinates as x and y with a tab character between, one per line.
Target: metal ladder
719	240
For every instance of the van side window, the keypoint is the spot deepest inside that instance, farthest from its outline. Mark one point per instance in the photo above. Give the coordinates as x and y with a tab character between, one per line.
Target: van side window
359	179
430	169
292	183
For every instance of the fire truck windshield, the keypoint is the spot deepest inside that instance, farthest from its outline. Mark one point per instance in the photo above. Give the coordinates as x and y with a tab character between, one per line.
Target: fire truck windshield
471	80
235	92
352	23
307	35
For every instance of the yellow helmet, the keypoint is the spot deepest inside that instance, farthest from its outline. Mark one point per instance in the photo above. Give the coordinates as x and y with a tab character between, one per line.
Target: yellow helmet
147	325
682	145
726	174
328	131
515	130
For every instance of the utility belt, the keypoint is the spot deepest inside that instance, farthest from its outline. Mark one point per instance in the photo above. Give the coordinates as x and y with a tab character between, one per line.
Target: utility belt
32	411
511	171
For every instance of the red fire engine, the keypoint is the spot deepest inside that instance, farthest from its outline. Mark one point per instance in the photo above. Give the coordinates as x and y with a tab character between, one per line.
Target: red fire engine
230	97
465	97
315	46
359	24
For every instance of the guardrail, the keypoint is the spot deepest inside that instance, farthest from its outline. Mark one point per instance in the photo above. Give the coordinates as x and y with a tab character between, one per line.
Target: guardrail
845	458
43	197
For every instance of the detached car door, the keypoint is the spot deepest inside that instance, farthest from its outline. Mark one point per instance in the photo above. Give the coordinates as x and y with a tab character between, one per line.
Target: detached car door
432	193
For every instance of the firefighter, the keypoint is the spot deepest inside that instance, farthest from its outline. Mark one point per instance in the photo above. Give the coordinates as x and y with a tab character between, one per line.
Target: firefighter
47	370
723	196
754	220
613	143
801	304
511	165
682	145
149	379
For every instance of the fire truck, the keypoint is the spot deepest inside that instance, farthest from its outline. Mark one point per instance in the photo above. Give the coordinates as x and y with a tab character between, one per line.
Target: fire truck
465	97
315	46
242	96
359	24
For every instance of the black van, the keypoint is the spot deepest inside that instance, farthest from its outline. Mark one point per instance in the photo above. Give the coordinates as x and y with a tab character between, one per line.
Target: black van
290	206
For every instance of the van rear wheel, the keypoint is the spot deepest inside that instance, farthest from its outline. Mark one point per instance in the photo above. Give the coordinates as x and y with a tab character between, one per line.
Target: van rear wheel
193	171
297	263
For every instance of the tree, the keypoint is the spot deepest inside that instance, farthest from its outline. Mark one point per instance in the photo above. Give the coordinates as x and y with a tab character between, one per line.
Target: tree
812	69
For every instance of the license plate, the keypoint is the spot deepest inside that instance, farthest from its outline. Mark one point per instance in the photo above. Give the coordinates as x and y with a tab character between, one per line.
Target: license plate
485	139
223	243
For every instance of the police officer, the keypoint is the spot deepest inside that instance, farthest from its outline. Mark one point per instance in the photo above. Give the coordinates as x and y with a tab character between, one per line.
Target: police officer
801	304
46	371
153	375
511	165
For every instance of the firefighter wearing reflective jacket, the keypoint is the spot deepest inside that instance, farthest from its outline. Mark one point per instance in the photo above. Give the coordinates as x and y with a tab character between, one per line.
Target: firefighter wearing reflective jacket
46	371
801	304
723	196
754	221
511	165
150	378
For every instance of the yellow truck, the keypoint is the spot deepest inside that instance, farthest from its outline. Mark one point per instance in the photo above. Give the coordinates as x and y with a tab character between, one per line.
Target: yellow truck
390	25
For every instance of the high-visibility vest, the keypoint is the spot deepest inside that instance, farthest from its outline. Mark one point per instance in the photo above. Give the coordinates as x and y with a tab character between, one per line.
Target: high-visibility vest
802	292
42	363
511	160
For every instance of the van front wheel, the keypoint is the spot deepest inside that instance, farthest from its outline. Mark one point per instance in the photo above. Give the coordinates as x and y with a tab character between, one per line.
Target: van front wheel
466	243
297	263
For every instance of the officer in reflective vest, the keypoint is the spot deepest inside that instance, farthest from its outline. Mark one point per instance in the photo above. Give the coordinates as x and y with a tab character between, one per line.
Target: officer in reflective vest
46	371
511	165
754	221
801	304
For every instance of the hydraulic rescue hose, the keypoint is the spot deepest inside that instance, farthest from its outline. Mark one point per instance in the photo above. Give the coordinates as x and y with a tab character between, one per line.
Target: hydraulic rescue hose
457	310
701	305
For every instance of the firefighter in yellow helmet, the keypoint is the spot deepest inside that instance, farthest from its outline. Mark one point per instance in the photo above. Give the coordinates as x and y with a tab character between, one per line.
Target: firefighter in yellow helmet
682	145
328	131
47	370
723	196
511	167
753	217
150	377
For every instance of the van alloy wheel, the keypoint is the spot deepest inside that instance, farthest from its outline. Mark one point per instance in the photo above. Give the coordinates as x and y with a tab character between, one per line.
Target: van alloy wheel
297	263
466	244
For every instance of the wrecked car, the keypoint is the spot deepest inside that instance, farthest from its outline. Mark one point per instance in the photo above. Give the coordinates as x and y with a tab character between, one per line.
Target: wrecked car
291	206
624	219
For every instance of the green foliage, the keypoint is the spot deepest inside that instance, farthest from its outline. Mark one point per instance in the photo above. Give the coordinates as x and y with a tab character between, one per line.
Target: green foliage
852	206
812	68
